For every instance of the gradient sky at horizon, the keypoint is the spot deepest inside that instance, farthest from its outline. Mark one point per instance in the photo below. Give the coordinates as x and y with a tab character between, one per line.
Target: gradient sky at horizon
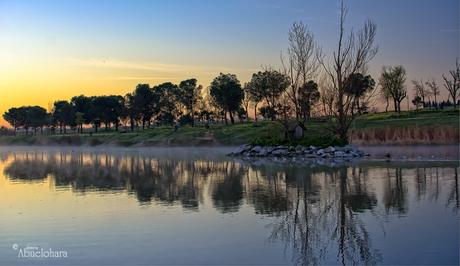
52	50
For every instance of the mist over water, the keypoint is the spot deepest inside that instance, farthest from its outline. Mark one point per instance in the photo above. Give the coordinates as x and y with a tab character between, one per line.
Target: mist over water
196	206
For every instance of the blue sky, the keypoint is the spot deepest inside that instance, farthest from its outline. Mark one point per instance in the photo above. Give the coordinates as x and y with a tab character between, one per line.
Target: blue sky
125	42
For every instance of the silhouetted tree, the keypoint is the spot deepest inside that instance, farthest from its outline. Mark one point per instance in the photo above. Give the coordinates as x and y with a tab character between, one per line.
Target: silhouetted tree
227	93
452	84
417	101
143	101
270	84
420	90
352	56
189	93
434	89
392	82
64	115
83	106
166	96
358	85
300	64
14	118
308	95
37	117
254	95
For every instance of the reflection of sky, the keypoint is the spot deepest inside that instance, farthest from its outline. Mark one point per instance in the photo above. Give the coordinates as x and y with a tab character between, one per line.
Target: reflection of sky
93	225
429	229
56	49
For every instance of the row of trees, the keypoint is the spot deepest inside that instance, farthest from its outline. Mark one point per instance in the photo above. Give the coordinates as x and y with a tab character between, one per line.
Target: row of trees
423	91
339	85
392	83
164	102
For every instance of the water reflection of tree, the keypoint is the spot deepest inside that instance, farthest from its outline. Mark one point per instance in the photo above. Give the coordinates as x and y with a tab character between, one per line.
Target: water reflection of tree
395	192
227	192
317	209
163	180
316	222
453	199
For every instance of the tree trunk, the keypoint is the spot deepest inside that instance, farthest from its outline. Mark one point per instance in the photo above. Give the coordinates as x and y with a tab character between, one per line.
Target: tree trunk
231	118
255	112
131	120
192	115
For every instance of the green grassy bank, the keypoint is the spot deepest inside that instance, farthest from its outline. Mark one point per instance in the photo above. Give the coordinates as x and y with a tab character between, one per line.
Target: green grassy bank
410	127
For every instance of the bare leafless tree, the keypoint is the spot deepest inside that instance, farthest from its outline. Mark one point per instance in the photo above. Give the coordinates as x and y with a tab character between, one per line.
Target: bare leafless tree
434	89
300	63
420	90
452	84
354	52
326	98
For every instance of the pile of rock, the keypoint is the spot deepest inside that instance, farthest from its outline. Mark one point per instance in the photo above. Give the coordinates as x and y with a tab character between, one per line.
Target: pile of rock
344	153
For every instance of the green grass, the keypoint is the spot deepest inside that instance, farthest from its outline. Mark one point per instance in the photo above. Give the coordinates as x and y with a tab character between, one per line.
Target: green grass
409	118
318	132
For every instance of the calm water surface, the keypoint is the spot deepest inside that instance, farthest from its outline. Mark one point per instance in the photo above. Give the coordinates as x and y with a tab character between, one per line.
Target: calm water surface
181	206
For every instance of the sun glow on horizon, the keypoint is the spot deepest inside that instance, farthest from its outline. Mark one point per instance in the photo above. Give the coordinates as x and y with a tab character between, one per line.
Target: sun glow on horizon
53	50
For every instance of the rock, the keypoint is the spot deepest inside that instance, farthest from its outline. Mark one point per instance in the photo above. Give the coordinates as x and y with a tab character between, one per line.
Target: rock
298	153
329	149
280	152
256	149
241	149
264	151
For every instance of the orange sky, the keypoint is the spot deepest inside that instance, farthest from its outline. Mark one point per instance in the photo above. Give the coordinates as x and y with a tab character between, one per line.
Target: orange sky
53	50
41	83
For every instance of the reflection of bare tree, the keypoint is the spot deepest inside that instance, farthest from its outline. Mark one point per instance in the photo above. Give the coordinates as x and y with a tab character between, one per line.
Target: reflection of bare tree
315	224
420	174
317	210
354	241
453	195
395	192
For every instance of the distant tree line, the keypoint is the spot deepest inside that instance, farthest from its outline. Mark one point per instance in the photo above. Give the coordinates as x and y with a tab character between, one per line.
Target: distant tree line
307	84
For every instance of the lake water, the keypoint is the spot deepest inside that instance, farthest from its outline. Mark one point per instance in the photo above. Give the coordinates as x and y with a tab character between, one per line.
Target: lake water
196	206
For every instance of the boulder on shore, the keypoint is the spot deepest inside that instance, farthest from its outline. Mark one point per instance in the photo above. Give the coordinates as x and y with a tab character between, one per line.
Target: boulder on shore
301	152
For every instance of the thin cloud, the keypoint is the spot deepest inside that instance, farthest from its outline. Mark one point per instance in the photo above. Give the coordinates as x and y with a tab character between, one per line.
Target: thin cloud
135	78
158	67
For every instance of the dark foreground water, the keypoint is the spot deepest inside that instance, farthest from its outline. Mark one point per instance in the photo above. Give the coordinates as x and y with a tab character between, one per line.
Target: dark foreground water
180	206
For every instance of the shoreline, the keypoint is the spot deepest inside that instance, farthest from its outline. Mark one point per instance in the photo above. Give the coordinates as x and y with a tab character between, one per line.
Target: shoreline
448	152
